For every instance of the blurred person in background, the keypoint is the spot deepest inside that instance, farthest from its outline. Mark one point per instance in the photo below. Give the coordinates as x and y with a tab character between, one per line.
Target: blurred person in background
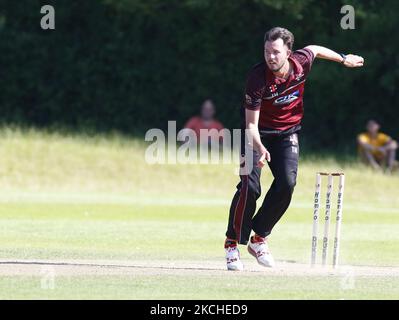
206	120
376	148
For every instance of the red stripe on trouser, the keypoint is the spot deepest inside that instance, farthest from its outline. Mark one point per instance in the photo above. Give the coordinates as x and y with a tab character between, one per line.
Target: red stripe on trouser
240	207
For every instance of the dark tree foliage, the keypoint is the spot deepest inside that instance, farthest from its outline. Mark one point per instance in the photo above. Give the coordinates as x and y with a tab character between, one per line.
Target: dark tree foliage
130	65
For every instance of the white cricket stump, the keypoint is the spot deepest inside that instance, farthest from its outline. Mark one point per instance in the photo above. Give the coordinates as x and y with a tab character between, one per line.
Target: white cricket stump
327	217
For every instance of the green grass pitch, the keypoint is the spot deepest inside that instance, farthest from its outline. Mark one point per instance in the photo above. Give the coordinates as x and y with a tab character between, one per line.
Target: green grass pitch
86	218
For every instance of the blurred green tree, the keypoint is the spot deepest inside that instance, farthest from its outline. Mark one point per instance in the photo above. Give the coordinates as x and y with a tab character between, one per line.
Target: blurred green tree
131	65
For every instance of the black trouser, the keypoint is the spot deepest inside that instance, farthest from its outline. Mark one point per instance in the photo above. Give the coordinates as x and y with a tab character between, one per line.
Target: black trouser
284	152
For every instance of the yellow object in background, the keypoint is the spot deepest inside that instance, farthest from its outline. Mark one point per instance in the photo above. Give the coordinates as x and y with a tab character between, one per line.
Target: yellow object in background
380	140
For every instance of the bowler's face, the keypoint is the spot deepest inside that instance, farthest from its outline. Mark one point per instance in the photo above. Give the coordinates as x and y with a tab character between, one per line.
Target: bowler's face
276	54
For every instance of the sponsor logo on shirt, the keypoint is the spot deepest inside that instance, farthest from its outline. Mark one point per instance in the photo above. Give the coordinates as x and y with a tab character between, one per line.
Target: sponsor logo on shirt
286	99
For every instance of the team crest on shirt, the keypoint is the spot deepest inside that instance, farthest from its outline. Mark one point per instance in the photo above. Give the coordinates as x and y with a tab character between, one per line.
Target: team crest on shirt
273	88
286	99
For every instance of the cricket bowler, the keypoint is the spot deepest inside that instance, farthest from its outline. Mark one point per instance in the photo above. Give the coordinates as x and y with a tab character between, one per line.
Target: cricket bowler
272	112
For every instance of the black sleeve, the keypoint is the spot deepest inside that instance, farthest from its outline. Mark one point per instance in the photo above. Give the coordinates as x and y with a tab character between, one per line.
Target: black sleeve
254	91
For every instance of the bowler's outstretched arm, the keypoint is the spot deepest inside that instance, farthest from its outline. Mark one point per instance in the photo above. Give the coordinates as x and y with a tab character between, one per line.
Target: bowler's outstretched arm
349	60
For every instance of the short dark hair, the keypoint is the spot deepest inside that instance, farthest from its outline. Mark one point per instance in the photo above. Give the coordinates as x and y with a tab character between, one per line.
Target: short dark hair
372	122
280	33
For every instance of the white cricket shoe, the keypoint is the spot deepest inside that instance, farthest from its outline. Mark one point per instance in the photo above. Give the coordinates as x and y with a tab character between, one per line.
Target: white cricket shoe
259	249
233	259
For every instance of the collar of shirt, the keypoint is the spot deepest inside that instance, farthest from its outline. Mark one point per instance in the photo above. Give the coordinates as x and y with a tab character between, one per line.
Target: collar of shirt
296	70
